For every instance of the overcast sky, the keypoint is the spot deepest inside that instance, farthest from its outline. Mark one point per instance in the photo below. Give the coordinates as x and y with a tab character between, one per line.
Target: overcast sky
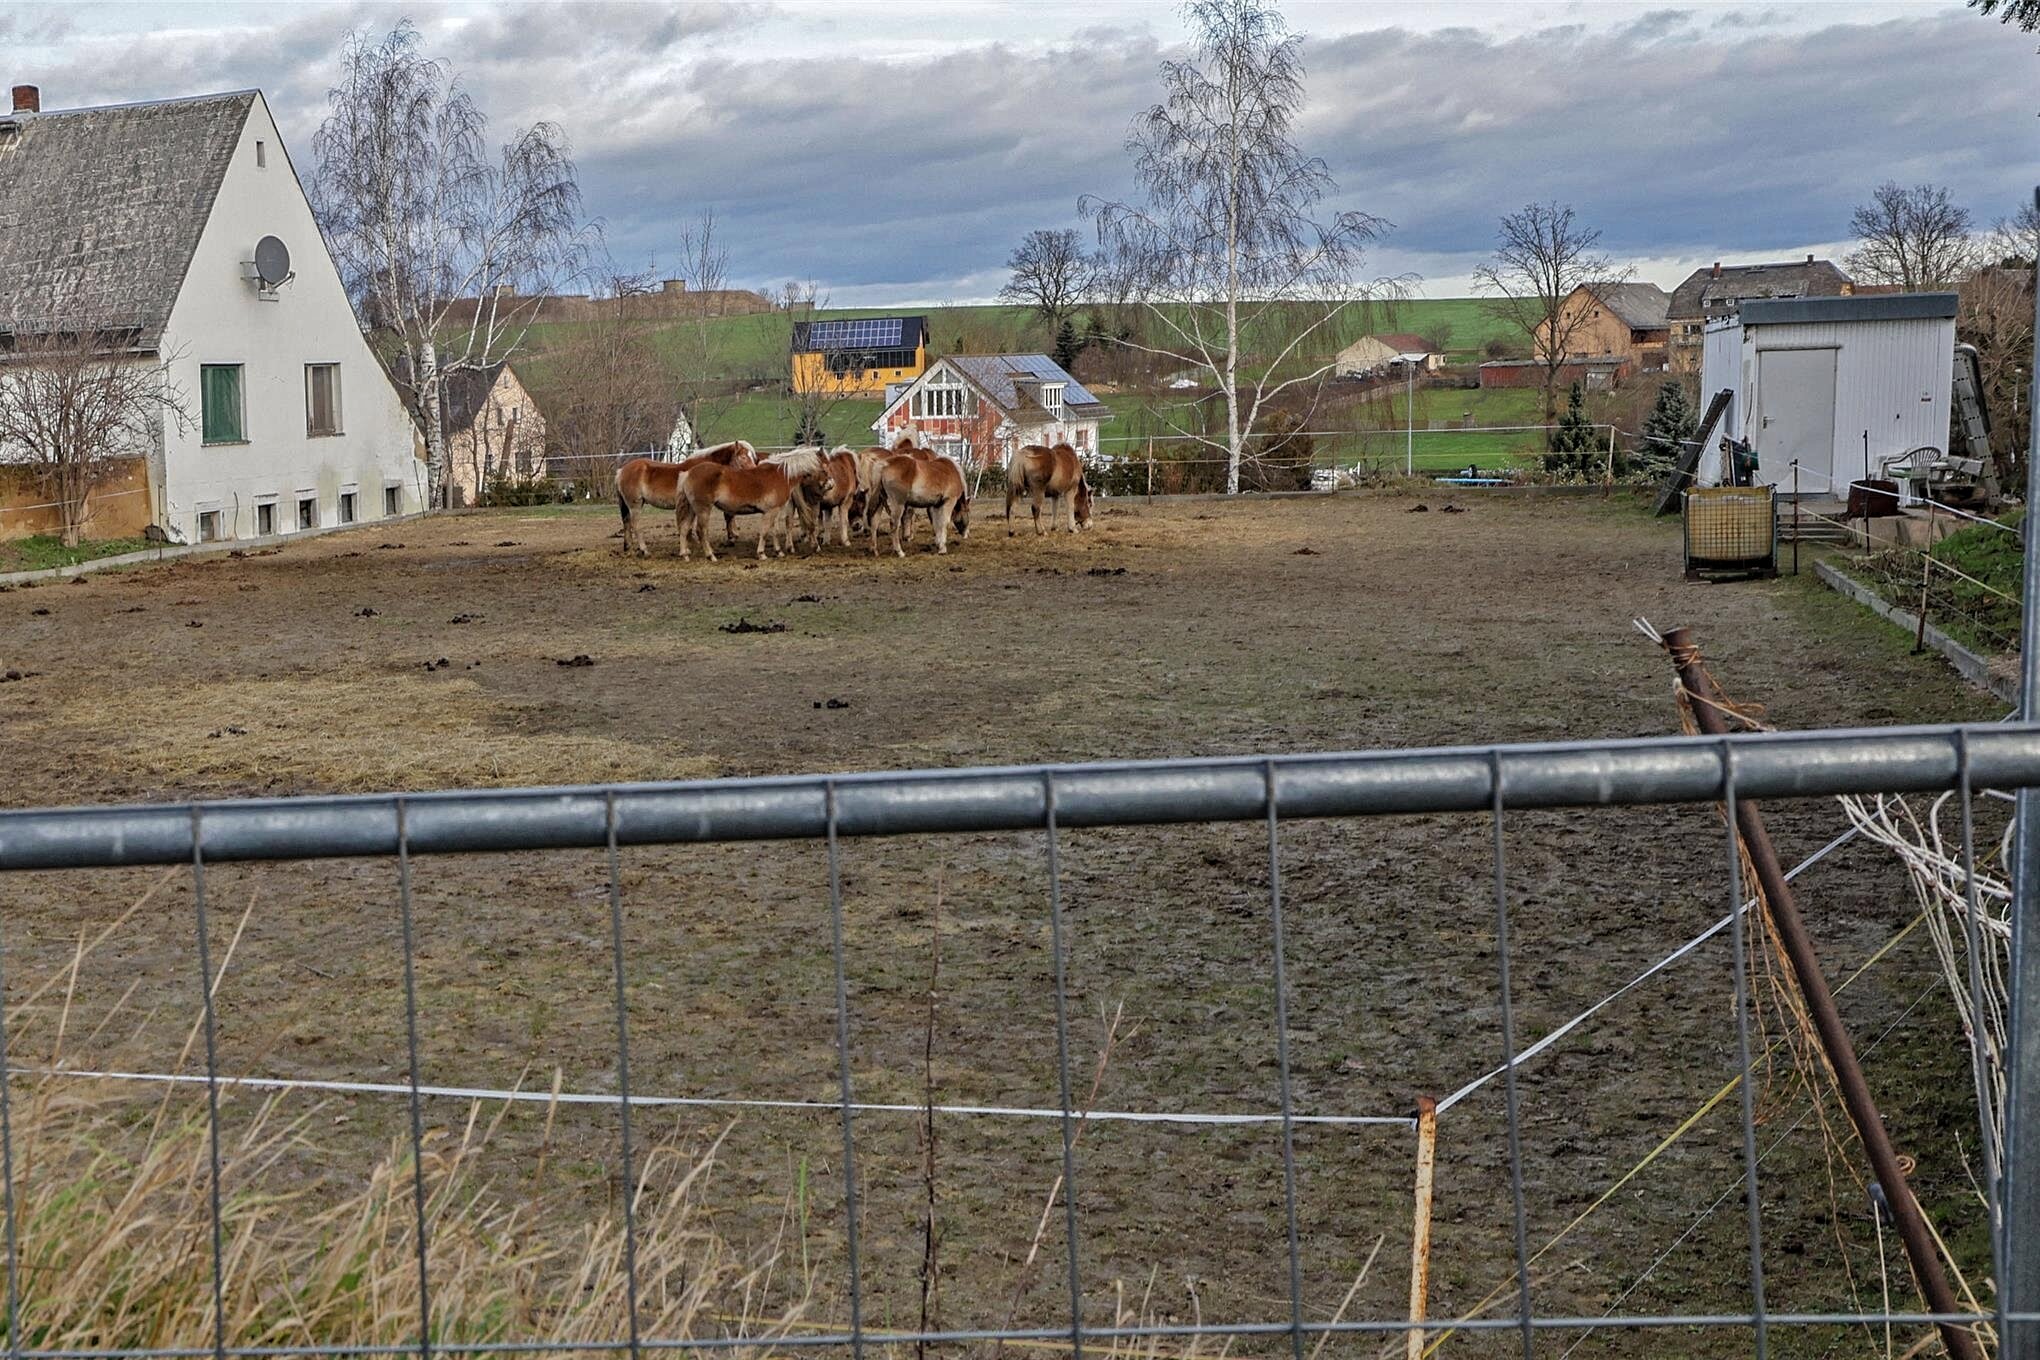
894	150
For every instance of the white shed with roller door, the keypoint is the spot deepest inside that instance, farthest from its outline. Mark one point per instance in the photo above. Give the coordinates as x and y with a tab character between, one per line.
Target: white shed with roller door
1840	386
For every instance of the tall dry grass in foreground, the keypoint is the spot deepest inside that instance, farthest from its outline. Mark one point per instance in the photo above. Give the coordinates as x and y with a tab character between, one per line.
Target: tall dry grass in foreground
113	1196
116	1242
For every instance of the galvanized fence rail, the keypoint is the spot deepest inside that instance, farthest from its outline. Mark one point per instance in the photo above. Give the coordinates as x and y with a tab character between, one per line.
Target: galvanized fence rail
1491	782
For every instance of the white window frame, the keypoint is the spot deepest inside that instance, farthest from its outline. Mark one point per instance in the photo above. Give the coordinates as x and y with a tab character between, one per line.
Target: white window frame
214	512
339	423
944	398
1052	399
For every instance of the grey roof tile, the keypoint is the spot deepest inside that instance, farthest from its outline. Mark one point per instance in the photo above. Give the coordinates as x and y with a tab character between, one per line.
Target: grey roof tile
101	209
1705	293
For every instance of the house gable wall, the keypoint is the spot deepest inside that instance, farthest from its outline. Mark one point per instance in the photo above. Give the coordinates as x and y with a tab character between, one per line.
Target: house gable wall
506	438
218	318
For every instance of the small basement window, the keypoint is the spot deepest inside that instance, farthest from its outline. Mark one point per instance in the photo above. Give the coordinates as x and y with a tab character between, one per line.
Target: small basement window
393	500
308	512
265	519
211	527
347	507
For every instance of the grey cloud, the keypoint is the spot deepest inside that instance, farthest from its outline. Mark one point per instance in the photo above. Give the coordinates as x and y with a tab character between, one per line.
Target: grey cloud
1676	132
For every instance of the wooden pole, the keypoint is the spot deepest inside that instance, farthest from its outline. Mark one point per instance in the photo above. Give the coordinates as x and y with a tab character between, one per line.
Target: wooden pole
1420	1235
1151	468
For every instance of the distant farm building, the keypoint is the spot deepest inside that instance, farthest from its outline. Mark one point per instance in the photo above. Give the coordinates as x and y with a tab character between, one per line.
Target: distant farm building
1372	355
1843	387
979	408
1614	320
177	235
857	357
494	431
1711	294
1593	374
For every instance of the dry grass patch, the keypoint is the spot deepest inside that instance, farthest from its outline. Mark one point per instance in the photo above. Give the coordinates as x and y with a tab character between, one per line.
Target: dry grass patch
347	733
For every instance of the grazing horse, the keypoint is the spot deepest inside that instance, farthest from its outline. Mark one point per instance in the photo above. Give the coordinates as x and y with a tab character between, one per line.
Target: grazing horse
769	488
649	481
906	483
870	460
834	496
1057	473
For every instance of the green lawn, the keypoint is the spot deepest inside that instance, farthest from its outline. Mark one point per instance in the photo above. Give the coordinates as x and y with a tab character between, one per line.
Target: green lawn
769	419
753	347
40	552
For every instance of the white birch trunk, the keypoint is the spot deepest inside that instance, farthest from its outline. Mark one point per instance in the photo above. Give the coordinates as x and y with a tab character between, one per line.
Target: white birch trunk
435	426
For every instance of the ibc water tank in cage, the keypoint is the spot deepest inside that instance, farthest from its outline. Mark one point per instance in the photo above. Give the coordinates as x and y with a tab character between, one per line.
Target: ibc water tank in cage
1731	529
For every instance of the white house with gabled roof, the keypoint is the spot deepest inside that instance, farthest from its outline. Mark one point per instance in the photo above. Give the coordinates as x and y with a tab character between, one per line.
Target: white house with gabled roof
179	229
980	408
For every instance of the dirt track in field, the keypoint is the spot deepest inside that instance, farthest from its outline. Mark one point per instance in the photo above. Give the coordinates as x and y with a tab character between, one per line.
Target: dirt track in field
1178	629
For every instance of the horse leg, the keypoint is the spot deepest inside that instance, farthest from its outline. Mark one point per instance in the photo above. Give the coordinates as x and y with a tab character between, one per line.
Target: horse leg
1034	493
702	522
941	516
1009	506
901	514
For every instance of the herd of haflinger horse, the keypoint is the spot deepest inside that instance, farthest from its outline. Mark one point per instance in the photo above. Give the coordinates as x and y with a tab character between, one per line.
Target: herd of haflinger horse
836	489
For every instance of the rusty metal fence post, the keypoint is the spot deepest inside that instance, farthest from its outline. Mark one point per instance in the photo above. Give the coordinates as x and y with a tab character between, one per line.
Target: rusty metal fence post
2019	1292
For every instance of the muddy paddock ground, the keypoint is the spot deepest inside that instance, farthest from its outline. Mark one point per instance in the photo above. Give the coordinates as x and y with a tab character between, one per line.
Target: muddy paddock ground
429	654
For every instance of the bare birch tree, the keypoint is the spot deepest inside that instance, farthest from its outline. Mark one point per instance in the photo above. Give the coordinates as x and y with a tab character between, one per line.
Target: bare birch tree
1917	238
1233	269
446	251
1543	255
75	401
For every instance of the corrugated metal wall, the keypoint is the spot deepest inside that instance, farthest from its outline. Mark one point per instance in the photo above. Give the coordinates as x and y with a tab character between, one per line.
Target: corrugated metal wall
1721	359
1892	381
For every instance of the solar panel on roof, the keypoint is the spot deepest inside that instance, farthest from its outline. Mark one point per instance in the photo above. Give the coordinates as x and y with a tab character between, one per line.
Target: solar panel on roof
869	332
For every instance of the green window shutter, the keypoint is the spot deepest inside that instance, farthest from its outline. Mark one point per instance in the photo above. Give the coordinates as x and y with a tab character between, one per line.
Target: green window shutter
219	393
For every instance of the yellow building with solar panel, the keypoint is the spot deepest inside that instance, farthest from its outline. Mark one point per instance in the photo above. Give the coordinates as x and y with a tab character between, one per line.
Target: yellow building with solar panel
857	357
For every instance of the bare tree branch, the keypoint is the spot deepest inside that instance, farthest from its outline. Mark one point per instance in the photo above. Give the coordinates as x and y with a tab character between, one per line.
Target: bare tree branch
76	400
1543	255
1917	238
1228	252
1052	273
444	248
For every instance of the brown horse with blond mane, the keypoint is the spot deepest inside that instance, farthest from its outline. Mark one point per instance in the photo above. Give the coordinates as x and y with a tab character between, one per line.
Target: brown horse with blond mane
771	488
651	481
905	483
835	494
1058	474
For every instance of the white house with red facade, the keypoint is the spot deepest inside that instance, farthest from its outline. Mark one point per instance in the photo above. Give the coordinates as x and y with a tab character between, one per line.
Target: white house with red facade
980	408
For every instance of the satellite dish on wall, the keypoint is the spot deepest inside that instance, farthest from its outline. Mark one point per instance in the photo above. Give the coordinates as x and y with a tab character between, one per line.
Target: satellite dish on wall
272	261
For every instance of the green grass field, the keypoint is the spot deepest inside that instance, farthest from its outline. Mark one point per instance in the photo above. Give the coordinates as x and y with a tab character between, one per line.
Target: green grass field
751	349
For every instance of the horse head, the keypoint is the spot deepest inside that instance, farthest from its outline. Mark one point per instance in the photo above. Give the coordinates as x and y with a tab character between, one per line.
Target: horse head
1082	512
